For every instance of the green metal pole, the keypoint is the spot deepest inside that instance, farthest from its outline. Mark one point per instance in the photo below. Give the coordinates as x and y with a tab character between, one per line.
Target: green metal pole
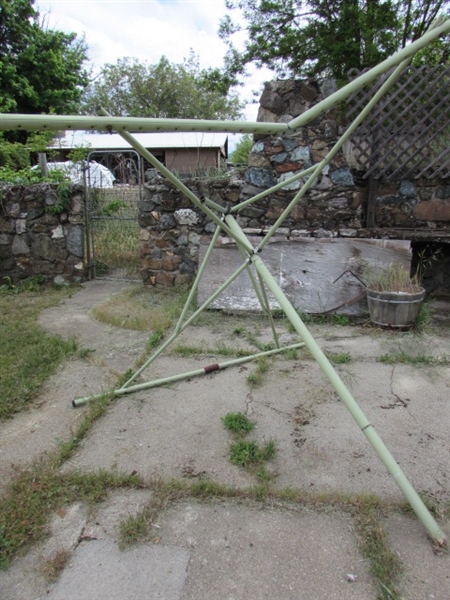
332	153
169	175
179	325
173	378
25	122
367	428
440	27
188	322
274	188
137	124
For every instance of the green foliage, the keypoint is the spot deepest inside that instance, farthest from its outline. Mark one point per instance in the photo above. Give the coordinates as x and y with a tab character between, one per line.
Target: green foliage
323	38
138	89
339	358
237	423
41	69
13	157
28	355
242	150
248	453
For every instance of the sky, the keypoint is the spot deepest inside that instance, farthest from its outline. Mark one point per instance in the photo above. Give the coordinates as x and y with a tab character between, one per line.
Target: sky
148	29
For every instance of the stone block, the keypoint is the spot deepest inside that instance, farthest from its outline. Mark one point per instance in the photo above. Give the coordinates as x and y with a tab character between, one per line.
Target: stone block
289	167
74	240
171	263
258	161
432	211
165	279
295	185
257	148
19	246
342	176
408	189
152	263
262	178
21	226
186	216
443	192
272	101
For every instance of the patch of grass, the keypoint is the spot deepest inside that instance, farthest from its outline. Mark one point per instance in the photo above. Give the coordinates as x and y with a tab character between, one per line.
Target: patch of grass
28	354
142	309
248	453
133	528
54	566
219	350
339	358
256	378
404	357
385	564
117	244
238	423
154	340
424	318
28	502
245	453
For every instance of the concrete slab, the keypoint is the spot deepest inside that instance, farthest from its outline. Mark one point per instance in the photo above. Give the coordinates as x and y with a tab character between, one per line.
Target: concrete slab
238	552
426	574
224	550
99	570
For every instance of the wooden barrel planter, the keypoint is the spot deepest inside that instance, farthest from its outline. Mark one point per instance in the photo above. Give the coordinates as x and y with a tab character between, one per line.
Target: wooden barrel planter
394	309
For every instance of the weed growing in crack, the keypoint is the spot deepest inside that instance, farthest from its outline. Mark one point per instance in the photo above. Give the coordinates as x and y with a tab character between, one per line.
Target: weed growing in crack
237	423
248	454
385	565
256	378
339	358
402	357
54	566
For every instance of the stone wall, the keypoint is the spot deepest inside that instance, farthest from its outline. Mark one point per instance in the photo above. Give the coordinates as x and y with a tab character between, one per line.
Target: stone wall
172	227
41	233
335	206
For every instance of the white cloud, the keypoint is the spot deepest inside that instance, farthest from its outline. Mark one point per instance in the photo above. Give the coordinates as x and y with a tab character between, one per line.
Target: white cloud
148	29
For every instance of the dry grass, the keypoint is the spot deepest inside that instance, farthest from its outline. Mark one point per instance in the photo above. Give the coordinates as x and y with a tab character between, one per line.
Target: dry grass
117	245
142	309
54	566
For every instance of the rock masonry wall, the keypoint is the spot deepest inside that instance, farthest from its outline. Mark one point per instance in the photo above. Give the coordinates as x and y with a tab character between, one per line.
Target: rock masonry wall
335	206
39	236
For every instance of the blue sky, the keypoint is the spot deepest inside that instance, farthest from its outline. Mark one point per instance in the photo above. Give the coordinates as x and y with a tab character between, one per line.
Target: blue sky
147	29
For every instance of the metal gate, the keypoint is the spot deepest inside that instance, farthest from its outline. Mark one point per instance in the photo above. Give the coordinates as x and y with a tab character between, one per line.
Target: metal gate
114	189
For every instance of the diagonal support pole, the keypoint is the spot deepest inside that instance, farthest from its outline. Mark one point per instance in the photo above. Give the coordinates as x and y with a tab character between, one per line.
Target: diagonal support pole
366	427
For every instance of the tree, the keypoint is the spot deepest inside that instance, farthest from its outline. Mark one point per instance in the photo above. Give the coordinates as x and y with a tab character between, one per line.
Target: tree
41	70
324	37
242	150
138	89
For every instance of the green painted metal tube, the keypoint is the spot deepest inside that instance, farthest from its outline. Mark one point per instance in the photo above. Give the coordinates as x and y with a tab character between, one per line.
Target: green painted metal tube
317	169
186	323
200	271
136	124
392	466
179	326
131	124
173	378
274	188
171	177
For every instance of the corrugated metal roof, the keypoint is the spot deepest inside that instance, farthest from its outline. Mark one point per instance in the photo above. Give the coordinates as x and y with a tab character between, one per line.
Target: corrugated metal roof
98	141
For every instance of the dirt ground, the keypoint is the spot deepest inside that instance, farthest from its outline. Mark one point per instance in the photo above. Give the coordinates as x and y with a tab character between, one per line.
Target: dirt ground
177	432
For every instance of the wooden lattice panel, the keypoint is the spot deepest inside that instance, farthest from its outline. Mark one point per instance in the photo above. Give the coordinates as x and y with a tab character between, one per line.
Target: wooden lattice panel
407	135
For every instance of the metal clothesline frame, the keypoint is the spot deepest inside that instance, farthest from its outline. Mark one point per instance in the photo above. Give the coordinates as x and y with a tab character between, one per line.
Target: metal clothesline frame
224	218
